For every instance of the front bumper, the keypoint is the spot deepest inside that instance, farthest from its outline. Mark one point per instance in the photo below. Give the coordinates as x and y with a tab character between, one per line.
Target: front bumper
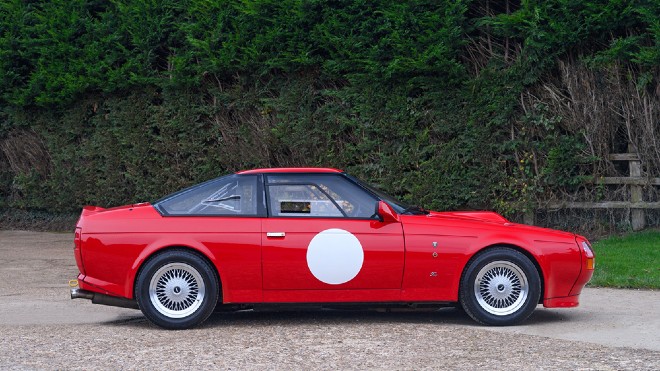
562	302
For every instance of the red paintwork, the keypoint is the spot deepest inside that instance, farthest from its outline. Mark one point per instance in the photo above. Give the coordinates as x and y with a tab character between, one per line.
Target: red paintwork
291	170
285	259
481	215
562	302
77	249
253	268
585	274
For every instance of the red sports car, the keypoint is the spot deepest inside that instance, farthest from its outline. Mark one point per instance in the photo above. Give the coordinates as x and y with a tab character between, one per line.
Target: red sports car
322	237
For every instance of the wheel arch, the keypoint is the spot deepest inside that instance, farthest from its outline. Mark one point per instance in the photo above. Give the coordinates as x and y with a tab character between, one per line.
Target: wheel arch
511	246
144	258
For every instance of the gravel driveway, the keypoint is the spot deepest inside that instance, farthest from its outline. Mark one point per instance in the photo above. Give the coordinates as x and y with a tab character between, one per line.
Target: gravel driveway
43	329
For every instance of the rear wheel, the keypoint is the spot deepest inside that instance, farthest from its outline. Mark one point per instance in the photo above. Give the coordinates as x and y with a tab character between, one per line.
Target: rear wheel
177	289
500	286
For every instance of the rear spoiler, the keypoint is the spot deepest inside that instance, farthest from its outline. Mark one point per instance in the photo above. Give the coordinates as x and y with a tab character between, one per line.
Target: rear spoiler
91	210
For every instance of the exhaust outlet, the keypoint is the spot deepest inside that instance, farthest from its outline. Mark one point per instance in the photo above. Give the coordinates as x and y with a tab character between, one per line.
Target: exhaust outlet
103	299
81	294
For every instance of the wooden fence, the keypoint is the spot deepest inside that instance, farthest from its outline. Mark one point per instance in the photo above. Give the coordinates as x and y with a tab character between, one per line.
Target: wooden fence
635	181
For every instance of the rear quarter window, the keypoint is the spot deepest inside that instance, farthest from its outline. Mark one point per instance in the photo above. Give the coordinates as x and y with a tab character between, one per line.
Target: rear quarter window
233	195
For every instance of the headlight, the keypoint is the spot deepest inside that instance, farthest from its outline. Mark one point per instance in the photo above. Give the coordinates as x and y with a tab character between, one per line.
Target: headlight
589	254
587	249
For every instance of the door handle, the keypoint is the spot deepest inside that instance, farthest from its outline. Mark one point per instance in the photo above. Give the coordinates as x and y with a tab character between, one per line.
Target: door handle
275	234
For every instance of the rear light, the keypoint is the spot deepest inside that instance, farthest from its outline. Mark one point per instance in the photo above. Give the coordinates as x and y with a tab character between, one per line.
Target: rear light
76	239
589	254
77	249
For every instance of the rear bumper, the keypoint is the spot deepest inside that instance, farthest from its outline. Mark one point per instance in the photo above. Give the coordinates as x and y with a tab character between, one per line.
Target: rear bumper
99	298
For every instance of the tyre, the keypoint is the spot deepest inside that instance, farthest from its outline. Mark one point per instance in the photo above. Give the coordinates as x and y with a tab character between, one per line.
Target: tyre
500	286
177	289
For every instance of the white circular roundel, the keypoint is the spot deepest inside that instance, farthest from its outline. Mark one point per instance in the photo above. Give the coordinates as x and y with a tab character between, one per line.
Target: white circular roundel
335	256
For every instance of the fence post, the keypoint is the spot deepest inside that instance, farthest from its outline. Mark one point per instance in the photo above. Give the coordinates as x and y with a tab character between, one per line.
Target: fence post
637	216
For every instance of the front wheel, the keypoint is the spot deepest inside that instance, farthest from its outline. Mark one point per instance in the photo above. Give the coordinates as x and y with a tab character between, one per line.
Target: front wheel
177	289
500	286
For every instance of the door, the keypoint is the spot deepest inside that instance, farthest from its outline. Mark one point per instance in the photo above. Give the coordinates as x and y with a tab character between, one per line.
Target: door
320	234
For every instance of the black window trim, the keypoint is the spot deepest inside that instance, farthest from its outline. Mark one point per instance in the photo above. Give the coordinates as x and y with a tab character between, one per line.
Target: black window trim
355	181
342	174
343	213
263	198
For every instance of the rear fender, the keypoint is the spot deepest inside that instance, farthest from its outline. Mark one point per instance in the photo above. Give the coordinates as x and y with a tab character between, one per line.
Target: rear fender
162	245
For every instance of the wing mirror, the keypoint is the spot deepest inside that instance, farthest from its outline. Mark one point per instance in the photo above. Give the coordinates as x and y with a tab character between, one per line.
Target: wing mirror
385	214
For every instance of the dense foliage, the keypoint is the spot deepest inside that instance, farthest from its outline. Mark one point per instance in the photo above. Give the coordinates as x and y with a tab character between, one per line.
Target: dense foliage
454	104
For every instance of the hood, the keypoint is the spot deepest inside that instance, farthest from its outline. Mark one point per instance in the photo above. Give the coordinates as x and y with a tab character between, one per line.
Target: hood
483	216
495	219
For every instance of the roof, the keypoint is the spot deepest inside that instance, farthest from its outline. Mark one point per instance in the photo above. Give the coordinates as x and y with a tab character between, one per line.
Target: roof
291	170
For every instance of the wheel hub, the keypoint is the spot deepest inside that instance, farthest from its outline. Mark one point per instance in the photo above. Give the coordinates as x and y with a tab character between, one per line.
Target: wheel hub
176	289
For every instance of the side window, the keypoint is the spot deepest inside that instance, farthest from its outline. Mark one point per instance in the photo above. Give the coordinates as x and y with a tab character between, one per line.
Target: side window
301	200
317	195
230	195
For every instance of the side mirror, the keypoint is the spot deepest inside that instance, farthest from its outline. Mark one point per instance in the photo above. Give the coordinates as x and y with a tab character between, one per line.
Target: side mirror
385	213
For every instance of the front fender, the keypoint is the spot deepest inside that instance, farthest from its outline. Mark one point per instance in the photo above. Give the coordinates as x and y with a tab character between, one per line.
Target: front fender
558	261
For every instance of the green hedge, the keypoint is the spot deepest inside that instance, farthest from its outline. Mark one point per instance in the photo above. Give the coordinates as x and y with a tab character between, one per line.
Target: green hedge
114	102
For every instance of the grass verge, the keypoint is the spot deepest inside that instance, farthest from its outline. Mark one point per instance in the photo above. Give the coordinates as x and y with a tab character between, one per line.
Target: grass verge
629	261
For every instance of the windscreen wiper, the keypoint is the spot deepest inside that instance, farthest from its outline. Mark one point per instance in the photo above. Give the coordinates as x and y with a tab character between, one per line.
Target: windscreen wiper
414	210
233	197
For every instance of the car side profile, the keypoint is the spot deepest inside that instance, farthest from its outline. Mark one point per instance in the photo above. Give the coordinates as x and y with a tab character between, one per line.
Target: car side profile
318	236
